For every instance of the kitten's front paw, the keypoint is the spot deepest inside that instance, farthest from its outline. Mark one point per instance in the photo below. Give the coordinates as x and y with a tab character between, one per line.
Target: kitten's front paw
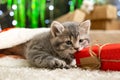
56	63
73	64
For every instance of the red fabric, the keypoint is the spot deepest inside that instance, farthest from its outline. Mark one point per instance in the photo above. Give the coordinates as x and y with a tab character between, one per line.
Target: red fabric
12	56
108	52
6	29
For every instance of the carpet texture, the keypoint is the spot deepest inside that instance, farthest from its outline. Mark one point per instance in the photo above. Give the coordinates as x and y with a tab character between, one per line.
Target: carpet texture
19	69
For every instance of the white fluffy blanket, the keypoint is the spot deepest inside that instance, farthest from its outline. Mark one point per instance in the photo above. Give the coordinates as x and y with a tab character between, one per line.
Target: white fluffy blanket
19	69
17	36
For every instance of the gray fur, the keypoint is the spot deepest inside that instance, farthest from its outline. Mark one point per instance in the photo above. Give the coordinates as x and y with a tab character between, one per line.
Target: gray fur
52	49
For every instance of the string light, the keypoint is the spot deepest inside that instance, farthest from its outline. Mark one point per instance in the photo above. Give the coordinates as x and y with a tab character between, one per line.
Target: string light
14	7
118	13
1	12
47	21
14	22
51	7
11	13
69	3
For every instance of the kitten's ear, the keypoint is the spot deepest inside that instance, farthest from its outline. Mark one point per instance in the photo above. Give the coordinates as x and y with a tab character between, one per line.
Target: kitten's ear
86	26
56	28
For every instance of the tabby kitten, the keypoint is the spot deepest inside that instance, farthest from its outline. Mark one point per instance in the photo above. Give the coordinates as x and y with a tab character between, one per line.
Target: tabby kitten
55	48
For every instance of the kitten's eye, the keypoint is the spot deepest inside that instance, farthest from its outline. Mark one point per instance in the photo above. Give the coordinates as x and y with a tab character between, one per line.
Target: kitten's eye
81	40
68	42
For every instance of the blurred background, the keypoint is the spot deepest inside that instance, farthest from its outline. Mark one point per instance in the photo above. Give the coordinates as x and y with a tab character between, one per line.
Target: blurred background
104	14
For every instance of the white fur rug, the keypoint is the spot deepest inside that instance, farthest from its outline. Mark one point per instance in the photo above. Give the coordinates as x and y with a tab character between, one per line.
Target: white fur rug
19	69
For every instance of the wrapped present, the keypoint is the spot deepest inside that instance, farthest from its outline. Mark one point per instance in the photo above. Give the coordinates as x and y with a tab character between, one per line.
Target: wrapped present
77	16
103	12
104	57
105	24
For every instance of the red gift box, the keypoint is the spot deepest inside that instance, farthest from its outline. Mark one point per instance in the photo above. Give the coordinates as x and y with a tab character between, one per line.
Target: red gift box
104	57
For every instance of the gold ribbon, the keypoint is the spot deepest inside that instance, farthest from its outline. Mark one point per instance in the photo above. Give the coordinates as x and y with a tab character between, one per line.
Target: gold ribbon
99	53
94	61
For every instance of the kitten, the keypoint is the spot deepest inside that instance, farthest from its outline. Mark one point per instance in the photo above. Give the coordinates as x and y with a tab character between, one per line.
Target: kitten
56	48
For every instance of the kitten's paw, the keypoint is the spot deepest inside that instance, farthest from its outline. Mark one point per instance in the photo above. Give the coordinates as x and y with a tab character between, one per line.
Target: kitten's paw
73	64
56	63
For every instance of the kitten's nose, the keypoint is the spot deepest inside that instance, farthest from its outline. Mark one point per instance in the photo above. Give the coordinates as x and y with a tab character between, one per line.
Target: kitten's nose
76	49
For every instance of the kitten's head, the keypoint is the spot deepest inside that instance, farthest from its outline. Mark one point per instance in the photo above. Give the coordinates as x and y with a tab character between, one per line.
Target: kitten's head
69	37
